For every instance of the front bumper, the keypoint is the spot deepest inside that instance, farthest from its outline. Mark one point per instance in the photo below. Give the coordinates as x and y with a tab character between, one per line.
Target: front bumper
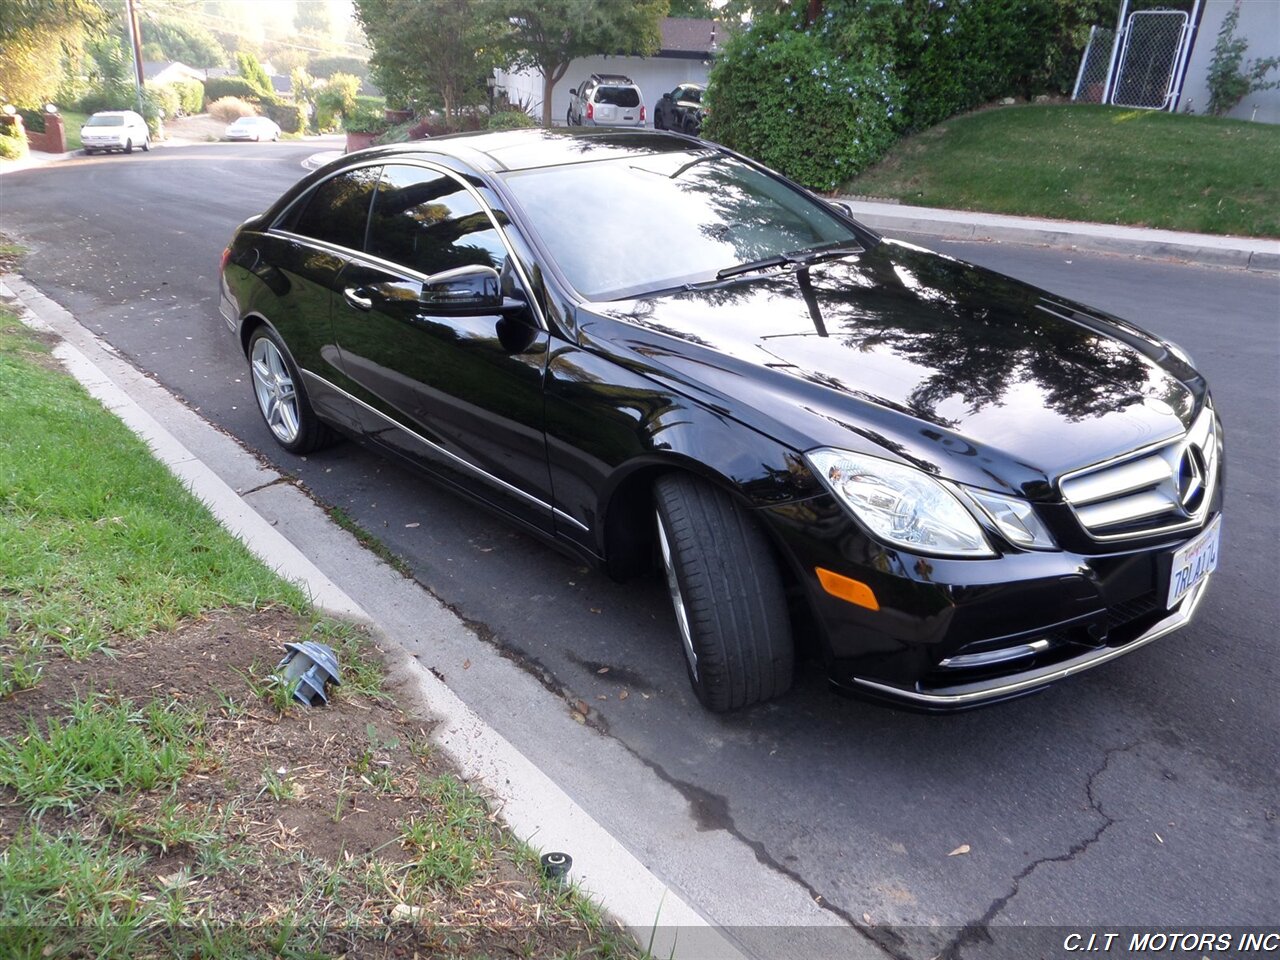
948	634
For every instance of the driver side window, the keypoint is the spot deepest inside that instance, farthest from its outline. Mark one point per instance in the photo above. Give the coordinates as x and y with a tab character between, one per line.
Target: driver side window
427	221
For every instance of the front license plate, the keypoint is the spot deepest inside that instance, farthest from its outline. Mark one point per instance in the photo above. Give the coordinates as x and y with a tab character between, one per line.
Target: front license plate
1193	563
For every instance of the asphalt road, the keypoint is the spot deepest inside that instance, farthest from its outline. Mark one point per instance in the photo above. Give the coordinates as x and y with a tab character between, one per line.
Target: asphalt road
1144	792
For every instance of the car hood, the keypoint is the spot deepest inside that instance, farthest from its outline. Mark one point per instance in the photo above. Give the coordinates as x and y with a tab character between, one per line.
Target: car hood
910	354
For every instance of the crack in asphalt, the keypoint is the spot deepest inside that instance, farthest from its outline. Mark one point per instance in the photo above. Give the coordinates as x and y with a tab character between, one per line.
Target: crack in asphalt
269	483
976	931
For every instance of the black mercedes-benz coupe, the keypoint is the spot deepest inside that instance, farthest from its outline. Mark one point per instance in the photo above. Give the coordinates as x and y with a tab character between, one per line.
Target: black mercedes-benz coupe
661	356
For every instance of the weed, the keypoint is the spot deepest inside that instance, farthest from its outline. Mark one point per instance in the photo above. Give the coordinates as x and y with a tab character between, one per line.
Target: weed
454	841
279	788
21	665
102	746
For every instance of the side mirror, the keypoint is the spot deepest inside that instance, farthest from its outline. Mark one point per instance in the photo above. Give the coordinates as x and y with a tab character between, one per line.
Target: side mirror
471	289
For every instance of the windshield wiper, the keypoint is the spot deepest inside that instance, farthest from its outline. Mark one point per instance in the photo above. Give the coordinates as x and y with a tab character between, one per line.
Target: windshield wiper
803	258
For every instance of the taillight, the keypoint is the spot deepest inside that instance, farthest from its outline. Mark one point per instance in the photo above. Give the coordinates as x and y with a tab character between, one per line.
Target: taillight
226	255
591	111
642	113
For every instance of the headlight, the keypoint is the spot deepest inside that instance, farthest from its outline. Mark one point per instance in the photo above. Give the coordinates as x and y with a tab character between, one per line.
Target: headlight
901	505
1014	518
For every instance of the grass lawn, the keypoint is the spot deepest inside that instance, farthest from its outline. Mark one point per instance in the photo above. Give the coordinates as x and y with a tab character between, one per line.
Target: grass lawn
72	122
1093	163
161	794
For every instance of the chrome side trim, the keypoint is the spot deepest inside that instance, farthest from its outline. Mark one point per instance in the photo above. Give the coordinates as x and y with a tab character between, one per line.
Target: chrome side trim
1176	620
452	457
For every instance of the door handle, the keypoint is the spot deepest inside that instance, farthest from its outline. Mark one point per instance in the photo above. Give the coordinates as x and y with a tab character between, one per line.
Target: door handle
357	301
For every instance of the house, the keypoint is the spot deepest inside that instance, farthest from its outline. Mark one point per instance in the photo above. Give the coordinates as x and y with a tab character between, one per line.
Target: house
687	48
167	71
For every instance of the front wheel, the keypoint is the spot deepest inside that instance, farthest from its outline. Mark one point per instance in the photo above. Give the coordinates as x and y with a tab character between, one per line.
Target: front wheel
128	146
568	117
282	398
146	145
727	595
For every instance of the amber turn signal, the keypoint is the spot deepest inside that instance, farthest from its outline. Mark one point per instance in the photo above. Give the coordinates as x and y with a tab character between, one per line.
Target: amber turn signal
846	588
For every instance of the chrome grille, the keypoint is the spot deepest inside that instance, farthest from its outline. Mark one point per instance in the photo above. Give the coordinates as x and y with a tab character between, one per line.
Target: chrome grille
1158	489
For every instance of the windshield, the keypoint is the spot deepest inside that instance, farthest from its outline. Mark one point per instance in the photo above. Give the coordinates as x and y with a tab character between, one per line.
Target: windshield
97	121
620	228
618	96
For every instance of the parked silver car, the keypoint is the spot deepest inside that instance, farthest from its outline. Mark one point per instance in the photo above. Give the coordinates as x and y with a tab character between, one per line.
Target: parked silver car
606	100
114	130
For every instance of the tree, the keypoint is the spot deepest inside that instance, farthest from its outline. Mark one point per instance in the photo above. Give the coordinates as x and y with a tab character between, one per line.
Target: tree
432	52
37	37
313	18
249	68
547	35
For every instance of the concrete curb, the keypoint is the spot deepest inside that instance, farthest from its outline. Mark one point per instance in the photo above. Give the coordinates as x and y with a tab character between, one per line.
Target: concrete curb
317	160
1243	252
34	159
534	807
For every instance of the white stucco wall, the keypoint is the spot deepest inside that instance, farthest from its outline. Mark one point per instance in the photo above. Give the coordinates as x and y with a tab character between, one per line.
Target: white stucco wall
1259	23
653	75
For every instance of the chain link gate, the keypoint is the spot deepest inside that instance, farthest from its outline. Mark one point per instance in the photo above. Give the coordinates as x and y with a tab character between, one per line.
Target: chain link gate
1150	59
1095	65
1143	65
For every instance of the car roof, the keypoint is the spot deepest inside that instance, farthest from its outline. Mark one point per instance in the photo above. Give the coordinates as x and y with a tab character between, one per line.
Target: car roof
510	150
114	113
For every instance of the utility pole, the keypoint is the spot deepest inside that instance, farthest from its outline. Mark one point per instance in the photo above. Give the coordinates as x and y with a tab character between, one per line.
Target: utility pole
136	39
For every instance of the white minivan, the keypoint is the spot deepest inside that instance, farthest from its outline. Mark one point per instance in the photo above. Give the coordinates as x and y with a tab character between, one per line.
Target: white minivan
115	130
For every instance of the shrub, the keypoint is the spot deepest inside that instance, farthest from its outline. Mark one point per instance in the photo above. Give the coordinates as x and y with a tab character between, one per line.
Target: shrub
337	98
32	119
511	120
365	119
953	56
190	96
110	96
12	145
166	98
1230	78
217	88
292	117
228	109
785	96
254	74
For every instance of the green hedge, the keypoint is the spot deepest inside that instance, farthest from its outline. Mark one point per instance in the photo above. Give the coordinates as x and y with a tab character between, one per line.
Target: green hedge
292	117
215	88
511	120
788	97
190	95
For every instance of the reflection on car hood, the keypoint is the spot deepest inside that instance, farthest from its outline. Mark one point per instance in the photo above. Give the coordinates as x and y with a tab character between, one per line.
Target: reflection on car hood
953	367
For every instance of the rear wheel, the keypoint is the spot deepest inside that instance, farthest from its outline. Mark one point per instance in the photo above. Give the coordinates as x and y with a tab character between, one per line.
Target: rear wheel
282	398
146	145
727	595
128	146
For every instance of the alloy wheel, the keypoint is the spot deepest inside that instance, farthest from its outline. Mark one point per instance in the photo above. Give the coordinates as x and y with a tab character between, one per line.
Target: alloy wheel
273	386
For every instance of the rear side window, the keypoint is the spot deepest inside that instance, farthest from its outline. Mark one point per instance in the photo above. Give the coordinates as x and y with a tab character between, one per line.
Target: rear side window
618	96
429	222
338	210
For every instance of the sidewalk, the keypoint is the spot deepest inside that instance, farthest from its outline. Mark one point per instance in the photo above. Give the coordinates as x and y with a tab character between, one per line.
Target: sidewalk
1244	252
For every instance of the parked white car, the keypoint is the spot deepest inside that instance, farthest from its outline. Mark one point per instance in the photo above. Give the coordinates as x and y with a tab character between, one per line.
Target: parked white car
115	130
253	128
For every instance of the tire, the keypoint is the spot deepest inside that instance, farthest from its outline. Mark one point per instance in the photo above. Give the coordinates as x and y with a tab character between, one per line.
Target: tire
282	398
568	117
89	151
128	146
658	123
727	595
146	145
